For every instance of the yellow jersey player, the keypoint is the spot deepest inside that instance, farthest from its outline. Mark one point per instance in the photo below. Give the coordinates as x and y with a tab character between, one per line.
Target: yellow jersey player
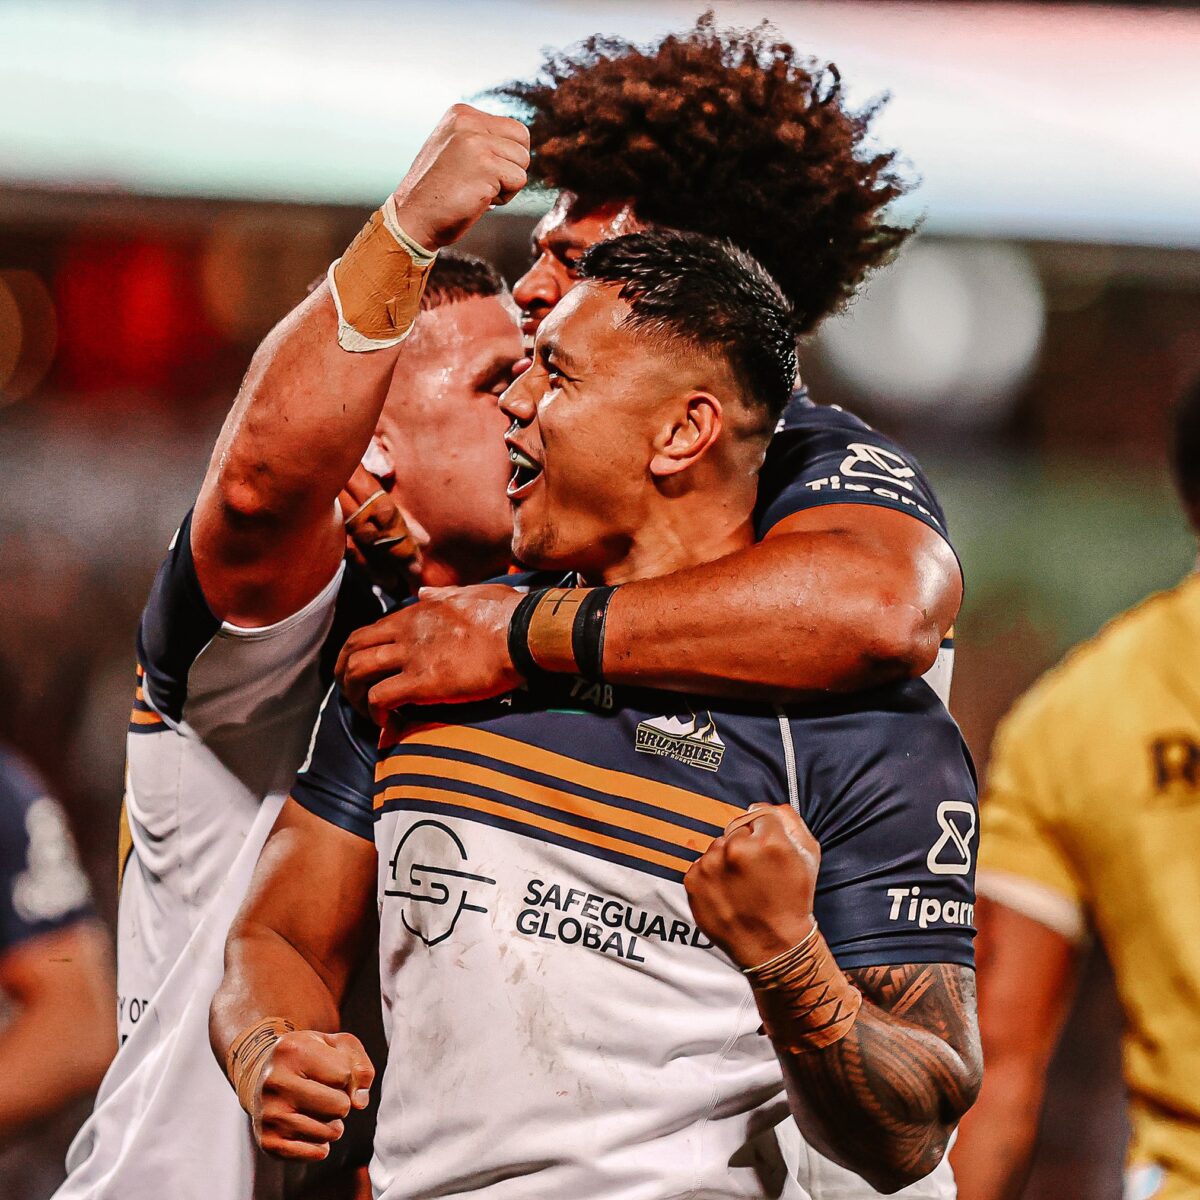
1091	826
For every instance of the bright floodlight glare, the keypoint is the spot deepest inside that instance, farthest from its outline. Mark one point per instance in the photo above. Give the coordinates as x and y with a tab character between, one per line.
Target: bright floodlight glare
950	331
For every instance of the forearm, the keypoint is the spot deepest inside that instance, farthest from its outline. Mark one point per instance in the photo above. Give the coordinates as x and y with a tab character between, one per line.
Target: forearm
996	1140
266	976
303	419
883	1101
798	614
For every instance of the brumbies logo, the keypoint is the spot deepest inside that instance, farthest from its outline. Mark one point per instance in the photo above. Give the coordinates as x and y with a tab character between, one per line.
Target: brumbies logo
693	741
437	895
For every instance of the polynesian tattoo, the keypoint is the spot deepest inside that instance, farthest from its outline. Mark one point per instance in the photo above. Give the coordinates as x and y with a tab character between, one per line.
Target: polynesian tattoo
884	1099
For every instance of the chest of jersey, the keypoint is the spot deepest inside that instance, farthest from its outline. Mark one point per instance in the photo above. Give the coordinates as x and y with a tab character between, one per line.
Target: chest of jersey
541	969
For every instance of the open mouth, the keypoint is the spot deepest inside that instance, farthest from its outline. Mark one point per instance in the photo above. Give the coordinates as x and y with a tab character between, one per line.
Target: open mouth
525	474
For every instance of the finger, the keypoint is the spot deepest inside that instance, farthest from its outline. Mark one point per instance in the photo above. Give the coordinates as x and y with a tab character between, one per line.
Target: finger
388	695
741	821
513	151
290	1149
509	127
317	1100
359	486
367	667
512	179
298	1127
362	1072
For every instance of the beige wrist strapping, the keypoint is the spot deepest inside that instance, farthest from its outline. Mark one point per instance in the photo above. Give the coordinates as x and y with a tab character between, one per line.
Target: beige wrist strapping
378	283
247	1056
805	1000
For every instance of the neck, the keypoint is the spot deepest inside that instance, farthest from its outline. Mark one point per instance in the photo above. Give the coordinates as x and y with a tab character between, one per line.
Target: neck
459	564
677	535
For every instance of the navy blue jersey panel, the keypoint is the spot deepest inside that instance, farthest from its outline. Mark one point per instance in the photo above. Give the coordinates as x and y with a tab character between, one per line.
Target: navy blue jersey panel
824	455
337	782
888	789
176	625
41	886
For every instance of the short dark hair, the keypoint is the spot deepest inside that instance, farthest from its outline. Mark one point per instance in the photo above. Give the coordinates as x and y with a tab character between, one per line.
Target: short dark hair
709	295
1185	449
729	133
457	276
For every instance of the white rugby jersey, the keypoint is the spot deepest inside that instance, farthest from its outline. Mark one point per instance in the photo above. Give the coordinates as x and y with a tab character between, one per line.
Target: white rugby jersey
221	722
558	1026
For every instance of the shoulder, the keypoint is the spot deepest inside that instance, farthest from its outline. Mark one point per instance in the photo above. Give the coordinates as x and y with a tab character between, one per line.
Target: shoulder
821	454
1095	687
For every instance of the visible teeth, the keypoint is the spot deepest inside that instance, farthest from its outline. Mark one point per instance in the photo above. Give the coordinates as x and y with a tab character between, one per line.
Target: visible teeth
521	459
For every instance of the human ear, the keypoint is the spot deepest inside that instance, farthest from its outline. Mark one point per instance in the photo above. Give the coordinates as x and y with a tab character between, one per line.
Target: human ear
688	435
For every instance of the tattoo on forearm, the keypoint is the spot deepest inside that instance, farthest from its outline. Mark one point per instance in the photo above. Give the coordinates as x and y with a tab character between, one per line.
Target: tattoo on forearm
889	1093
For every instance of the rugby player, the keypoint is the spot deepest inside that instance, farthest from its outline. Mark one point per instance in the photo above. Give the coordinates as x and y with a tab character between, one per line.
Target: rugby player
591	897
248	611
55	960
1092	828
853	583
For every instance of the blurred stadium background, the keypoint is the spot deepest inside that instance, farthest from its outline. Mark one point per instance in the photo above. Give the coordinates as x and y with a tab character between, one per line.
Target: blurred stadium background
172	175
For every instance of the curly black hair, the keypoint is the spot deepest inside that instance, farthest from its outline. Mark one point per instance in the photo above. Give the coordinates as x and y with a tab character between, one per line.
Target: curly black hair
728	133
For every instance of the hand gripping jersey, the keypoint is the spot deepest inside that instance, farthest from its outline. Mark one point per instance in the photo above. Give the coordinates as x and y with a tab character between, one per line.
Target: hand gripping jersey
220	724
1091	819
558	1025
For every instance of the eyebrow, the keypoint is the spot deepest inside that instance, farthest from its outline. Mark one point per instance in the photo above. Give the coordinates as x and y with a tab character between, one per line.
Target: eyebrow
558	243
560	356
498	364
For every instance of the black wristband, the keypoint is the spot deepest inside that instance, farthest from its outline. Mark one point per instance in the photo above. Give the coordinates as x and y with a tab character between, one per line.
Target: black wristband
518	635
587	633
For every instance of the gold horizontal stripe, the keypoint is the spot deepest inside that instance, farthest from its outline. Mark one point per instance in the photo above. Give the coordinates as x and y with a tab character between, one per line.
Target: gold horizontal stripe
535	821
559	766
524	789
145	718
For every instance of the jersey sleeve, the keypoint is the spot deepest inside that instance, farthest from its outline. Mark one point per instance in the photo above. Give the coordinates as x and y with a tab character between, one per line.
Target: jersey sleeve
1023	861
42	886
337	780
218	671
823	455
893	806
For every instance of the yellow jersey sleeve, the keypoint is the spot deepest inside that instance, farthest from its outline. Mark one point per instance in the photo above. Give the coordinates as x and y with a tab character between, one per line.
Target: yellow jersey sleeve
1023	863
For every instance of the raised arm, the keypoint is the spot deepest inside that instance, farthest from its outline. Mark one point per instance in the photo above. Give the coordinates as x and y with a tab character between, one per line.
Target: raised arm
267	535
880	1062
274	1020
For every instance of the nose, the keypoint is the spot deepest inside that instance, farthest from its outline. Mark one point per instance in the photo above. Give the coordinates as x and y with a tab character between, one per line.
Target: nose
541	287
518	401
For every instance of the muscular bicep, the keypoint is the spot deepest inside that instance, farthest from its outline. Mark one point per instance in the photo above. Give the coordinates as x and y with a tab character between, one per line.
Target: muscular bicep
313	888
907	558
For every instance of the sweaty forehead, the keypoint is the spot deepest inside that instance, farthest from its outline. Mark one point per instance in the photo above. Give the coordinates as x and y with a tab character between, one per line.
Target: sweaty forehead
572	224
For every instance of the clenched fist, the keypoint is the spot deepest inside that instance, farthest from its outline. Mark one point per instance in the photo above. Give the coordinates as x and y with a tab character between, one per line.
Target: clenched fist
752	890
471	161
310	1082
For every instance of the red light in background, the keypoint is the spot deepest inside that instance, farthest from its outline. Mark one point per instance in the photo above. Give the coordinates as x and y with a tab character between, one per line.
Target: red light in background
130	315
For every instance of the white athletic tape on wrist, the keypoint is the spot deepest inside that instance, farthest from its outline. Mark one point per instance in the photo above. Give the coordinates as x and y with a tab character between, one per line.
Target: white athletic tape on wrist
393	298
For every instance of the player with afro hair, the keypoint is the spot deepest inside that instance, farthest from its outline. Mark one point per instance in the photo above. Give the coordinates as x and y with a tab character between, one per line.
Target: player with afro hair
730	133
